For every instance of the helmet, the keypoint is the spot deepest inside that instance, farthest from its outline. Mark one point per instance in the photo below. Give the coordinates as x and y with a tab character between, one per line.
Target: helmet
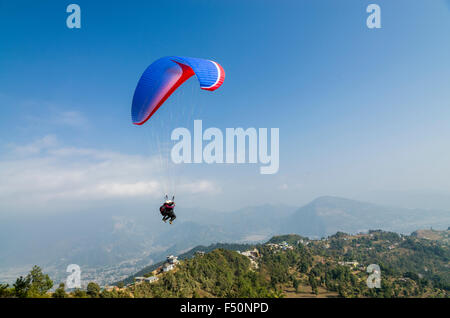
168	201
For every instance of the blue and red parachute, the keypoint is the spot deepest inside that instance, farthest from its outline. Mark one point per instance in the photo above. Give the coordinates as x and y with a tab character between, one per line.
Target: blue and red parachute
164	76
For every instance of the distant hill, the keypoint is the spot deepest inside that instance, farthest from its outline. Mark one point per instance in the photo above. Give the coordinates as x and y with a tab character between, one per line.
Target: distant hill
441	236
256	223
288	238
327	215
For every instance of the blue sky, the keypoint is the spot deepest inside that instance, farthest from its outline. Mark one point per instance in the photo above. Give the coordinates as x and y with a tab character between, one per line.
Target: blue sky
359	110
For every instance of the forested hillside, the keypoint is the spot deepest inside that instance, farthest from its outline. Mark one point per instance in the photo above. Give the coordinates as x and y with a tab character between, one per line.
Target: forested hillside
285	266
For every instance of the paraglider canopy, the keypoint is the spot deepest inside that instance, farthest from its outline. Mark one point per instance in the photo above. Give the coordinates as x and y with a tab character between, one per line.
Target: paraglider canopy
164	76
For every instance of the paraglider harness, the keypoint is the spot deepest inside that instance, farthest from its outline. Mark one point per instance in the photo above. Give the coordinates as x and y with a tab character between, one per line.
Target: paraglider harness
167	210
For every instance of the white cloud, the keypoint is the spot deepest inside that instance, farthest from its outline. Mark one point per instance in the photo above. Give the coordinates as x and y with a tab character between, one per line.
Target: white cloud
128	189
70	118
36	146
48	113
199	187
48	174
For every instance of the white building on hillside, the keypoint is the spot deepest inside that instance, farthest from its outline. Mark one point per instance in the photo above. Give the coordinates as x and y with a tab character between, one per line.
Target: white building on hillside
172	259
151	279
168	267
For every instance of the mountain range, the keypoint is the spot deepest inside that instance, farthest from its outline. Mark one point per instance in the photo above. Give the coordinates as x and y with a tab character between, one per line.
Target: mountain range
110	246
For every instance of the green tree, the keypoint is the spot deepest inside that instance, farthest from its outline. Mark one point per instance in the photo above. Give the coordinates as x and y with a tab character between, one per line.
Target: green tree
313	284
79	293
21	287
60	292
93	290
342	291
296	284
5	291
40	283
